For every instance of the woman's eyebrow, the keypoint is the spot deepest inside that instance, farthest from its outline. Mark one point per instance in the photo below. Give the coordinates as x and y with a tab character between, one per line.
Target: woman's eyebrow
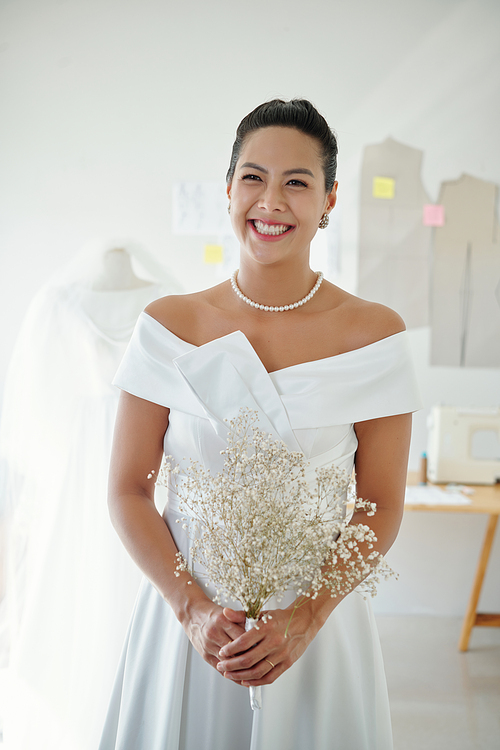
298	170
251	165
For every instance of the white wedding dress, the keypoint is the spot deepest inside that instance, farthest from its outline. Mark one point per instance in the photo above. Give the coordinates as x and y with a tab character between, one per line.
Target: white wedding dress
165	696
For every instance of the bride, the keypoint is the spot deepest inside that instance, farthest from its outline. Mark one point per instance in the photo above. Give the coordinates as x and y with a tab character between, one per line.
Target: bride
331	375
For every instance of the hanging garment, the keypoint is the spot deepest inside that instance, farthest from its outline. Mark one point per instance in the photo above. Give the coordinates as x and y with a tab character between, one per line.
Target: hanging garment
71	586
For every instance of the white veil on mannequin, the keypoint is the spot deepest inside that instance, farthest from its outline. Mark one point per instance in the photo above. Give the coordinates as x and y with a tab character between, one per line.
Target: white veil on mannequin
70	584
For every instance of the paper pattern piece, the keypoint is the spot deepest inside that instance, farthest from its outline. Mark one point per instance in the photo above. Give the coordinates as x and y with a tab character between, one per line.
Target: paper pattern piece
383	187
429	495
200	208
465	326
433	215
213	254
394	245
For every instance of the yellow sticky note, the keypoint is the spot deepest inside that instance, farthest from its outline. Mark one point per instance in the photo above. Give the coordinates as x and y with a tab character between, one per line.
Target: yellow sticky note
383	187
213	254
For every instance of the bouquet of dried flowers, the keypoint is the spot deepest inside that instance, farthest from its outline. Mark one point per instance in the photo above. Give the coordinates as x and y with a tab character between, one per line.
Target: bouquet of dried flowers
259	528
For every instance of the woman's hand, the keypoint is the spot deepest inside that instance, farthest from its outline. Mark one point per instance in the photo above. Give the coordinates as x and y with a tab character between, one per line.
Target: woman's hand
260	656
212	628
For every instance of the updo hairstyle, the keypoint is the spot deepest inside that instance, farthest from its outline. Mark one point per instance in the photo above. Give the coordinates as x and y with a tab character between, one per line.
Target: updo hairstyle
299	114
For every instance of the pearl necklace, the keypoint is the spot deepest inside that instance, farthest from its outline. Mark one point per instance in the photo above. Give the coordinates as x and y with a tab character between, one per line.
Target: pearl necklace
282	308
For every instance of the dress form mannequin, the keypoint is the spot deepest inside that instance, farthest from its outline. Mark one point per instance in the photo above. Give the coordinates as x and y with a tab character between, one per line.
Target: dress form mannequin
116	272
71	587
106	296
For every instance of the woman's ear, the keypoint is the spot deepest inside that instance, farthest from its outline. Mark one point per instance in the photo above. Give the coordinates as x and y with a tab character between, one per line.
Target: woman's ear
331	198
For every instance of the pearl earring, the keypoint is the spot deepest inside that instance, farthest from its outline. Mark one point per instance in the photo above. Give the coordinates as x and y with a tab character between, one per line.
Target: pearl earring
229	207
324	221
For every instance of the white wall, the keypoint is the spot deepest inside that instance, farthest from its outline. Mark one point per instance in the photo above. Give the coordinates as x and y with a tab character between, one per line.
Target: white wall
107	103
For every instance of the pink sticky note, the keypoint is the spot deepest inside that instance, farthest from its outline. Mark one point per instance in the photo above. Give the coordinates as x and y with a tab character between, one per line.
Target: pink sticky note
433	215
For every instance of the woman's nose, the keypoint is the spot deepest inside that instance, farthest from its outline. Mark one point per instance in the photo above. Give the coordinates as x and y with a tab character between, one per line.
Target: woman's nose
272	199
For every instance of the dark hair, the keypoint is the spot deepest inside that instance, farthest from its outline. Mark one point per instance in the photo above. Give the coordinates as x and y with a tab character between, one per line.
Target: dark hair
299	114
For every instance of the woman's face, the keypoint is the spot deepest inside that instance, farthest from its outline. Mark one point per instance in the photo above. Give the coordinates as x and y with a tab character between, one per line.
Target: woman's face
278	194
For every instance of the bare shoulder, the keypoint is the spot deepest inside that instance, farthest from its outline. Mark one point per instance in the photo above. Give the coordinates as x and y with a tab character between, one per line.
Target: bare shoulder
166	310
177	312
378	320
183	314
367	322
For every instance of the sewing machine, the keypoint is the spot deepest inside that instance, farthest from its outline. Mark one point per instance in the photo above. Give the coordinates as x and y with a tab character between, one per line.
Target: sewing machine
464	445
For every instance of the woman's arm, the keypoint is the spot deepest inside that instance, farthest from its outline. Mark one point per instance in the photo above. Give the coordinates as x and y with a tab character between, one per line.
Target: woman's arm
381	466
137	451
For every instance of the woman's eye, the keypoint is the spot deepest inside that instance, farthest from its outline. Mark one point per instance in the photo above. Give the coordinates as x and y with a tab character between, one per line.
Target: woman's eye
298	183
251	177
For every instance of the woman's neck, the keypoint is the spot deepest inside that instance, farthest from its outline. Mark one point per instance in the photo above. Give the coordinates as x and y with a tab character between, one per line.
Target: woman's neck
276	285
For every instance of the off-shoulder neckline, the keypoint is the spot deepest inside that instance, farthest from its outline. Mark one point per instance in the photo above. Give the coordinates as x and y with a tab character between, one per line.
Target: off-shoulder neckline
282	369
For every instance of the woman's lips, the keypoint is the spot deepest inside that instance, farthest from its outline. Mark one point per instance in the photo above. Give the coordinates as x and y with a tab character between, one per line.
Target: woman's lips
267	231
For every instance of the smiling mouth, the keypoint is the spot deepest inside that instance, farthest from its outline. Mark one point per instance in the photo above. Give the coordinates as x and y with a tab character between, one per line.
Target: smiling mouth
271	229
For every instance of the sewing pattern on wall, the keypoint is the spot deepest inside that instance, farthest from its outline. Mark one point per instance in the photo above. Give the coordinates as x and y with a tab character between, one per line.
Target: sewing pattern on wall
465	297
200	208
394	241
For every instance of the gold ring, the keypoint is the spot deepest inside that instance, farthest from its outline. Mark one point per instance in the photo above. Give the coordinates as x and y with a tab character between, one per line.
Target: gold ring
270	662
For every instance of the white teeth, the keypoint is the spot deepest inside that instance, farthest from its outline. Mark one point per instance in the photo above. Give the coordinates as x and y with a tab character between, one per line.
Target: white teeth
270	228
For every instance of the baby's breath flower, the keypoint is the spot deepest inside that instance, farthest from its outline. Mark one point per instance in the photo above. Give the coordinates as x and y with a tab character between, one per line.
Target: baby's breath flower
258	528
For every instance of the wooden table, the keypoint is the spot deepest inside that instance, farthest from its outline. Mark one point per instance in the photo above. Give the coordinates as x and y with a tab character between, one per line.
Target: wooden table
486	499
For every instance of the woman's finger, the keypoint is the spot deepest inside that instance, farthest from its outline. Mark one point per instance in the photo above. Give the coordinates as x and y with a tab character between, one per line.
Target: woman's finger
268	650
244	642
260	670
232	631
234	615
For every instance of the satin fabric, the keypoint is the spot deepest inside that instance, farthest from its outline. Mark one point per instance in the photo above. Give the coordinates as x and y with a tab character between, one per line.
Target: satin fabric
166	697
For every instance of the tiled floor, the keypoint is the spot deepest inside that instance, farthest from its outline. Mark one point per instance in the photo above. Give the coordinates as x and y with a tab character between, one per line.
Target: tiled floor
441	698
